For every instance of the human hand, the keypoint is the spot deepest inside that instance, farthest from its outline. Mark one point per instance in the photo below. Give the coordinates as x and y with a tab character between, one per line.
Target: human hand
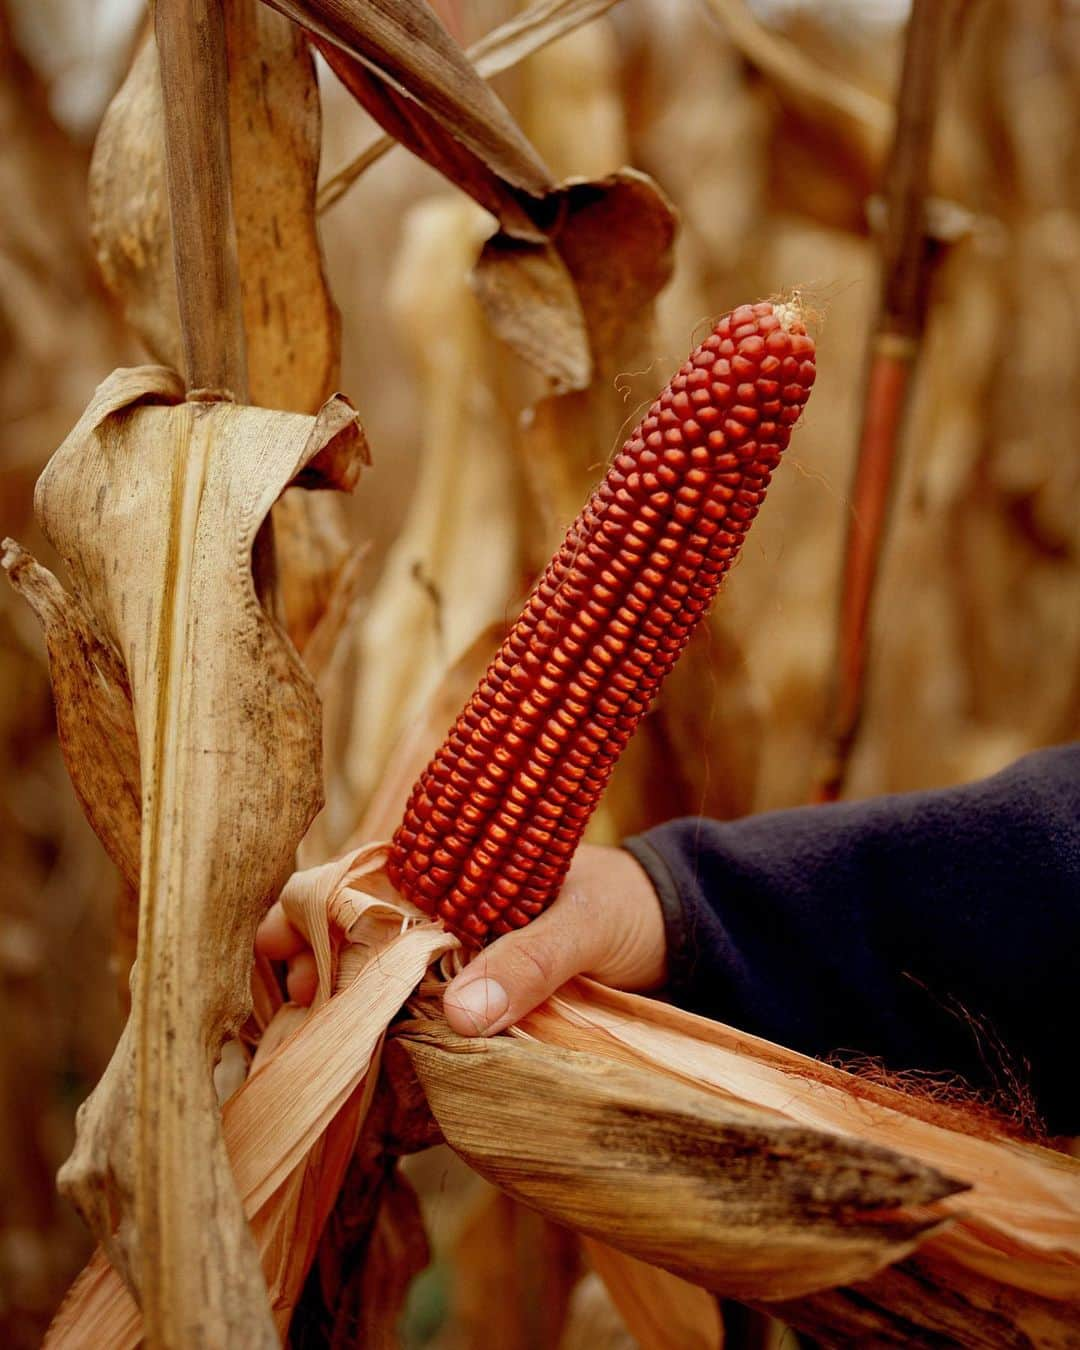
606	923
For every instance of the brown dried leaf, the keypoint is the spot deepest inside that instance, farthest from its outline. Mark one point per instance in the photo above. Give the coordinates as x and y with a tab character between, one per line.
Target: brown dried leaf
575	307
616	238
723	1195
129	210
530	301
93	710
154	511
291	325
405	45
499	50
415	128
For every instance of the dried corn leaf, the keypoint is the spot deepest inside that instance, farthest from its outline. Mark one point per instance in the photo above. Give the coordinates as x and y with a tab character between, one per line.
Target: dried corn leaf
579	267
584	295
129	210
291	325
531	303
411	126
154	511
405	46
501	49
722	1195
93	710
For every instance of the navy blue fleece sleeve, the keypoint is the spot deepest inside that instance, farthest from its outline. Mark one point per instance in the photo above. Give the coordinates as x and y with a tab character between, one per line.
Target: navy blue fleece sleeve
935	930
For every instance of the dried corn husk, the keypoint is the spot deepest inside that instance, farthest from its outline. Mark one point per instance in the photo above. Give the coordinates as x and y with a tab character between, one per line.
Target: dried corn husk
594	1162
300	1084
1019	1222
721	1196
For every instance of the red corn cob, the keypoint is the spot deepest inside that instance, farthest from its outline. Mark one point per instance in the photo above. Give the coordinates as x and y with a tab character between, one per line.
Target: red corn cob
493	822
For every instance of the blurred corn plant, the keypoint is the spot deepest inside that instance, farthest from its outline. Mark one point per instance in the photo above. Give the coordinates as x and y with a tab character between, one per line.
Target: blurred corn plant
500	304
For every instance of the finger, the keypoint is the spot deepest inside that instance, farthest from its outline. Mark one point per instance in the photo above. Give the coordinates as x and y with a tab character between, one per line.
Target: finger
302	981
276	938
517	972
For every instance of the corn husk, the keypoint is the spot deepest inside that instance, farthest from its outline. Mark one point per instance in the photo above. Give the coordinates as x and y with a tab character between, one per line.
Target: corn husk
305	1074
1018	1223
676	1139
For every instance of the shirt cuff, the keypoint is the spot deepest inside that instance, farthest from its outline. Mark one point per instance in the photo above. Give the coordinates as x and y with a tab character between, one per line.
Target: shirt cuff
678	934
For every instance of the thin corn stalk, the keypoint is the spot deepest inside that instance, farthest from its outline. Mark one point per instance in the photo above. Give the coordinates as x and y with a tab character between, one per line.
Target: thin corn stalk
906	257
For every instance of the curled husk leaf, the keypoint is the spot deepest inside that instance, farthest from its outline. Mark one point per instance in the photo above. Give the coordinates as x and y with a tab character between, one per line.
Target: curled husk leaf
154	505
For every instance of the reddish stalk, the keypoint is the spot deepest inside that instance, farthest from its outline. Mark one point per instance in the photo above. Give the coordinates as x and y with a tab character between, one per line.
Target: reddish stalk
907	255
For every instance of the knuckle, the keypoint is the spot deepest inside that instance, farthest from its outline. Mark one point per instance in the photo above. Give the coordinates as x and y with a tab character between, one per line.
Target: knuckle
537	963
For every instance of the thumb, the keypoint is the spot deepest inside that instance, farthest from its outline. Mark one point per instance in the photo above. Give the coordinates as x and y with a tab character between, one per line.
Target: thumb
515	974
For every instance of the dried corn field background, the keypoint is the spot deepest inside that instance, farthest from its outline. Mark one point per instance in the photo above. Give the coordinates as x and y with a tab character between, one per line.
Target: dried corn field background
766	126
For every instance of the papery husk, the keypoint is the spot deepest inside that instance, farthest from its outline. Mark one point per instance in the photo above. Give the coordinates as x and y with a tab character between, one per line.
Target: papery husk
154	511
622	1134
290	1128
1018	1223
722	1195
